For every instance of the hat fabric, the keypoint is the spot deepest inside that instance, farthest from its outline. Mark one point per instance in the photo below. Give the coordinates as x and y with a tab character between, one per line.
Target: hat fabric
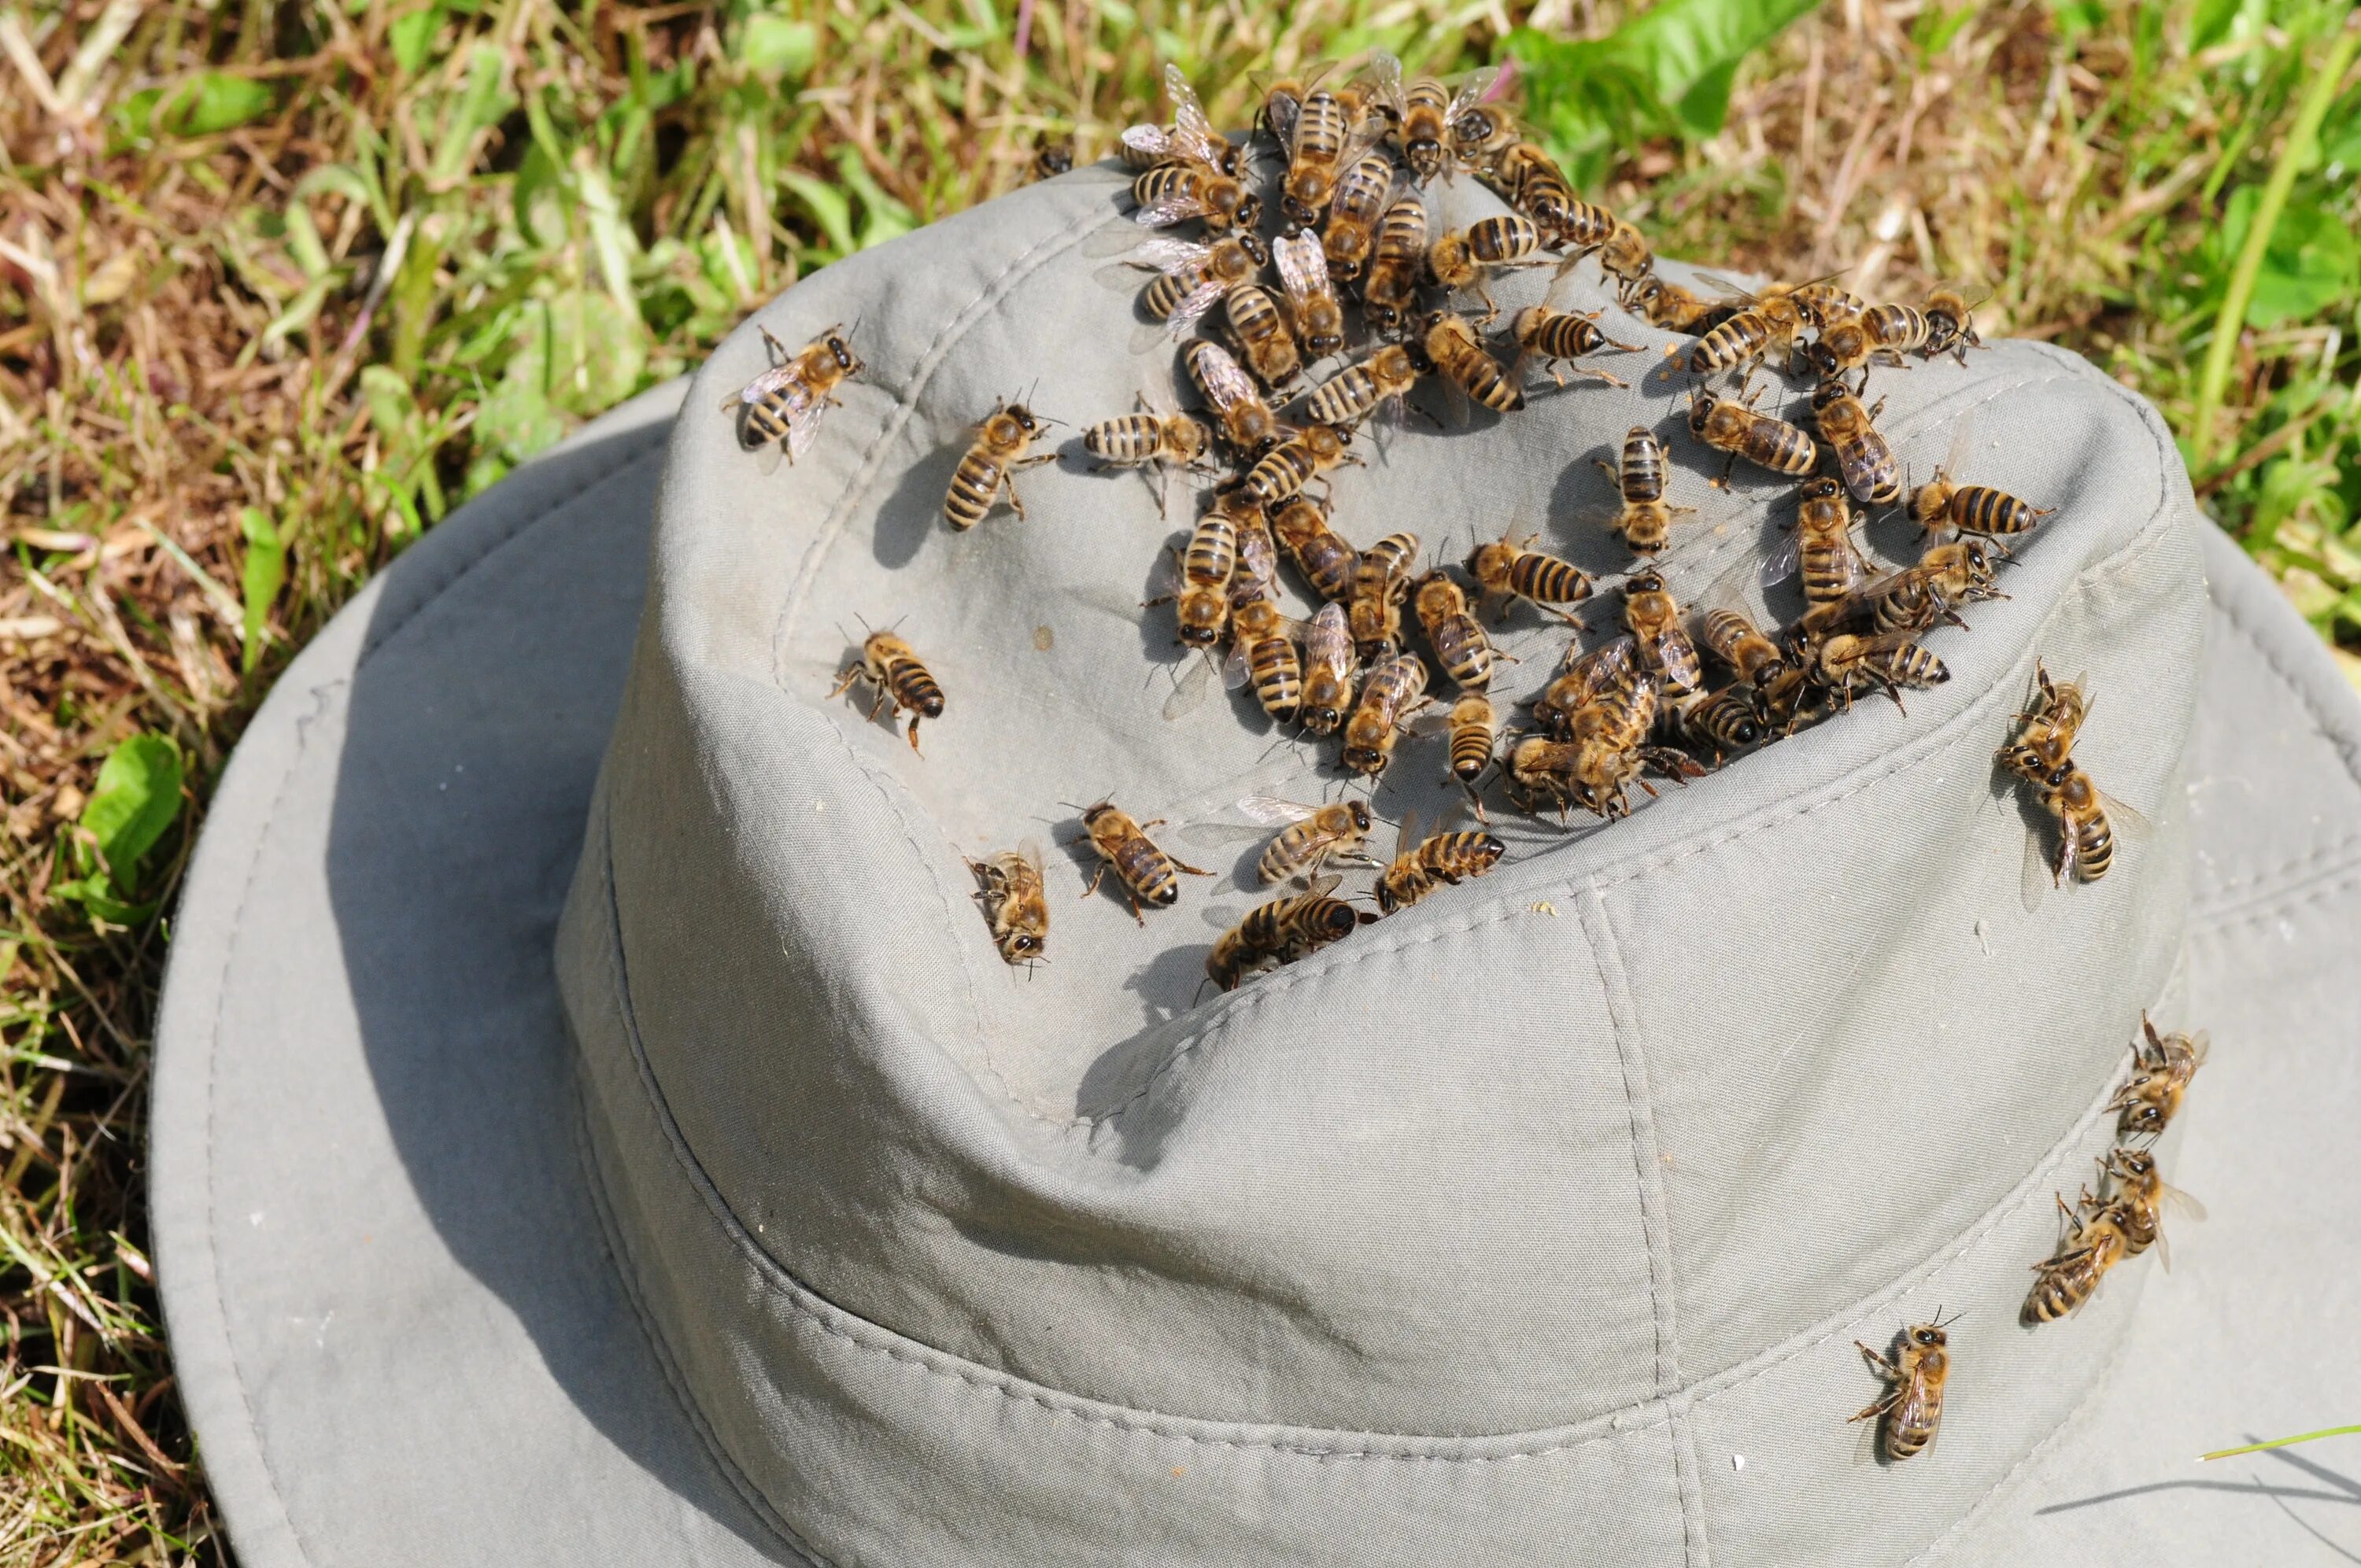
1538	1218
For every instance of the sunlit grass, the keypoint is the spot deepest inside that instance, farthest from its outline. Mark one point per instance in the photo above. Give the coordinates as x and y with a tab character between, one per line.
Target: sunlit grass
283	282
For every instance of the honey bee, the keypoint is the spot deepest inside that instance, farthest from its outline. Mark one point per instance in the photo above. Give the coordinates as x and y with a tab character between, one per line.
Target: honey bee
1740	646
1260	332
2141	1196
1506	568
1626	257
2052	723
1946	575
1532	183
1149	439
1396	267
1314	835
1381	584
991	464
2161	1069
1262	640
1761	440
1206	566
1913	1401
1191	138
1280	932
890	665
1951	324
1377	383
1247	422
1600	715
1296	462
1318	551
1428	111
1466	258
1654	617
1453	349
1766	325
1943	503
1646	521
1328	134
1668	305
1481	137
1016	905
1353	216
1444	858
1890	662
1725	719
784	404
2069	1278
1456	636
2087	822
1853	340
1175	193
1863	457
1193	279
1473	731
1822	548
1311	299
1052	156
1329	671
1393	691
1147	873
1556	337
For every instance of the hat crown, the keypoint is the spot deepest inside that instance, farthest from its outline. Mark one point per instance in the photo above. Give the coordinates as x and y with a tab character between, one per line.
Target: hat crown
1657	1114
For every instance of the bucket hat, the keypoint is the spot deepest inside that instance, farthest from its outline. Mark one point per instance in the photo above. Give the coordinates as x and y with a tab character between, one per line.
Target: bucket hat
593	1124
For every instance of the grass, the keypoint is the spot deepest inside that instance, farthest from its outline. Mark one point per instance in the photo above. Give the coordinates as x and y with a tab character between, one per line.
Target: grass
283	282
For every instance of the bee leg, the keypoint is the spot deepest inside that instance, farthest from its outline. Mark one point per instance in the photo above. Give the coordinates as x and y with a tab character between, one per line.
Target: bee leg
844	680
1015	502
1136	915
1192	870
914	735
1092	885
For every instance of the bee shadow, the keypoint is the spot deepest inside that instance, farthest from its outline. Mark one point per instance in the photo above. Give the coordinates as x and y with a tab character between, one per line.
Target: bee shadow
915	507
1168	986
1582	503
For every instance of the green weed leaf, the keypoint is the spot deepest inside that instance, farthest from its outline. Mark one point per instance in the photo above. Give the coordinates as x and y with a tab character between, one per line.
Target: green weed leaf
204	106
261	577
413	37
1666	71
827	205
2312	260
137	797
776	48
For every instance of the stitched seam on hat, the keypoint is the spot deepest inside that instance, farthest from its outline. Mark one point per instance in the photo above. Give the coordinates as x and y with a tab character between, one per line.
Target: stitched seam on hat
321	696
839	1324
1639	1106
1918	753
2333	882
618	1248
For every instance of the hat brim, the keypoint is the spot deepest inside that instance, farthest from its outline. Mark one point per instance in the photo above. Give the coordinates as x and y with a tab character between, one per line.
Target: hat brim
398	1327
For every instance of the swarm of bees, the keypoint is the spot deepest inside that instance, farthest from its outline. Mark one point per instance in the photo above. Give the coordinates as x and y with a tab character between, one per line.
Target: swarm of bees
1338	296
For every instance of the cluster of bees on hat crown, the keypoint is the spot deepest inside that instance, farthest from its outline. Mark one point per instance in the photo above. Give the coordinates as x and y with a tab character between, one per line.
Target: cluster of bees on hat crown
1678	691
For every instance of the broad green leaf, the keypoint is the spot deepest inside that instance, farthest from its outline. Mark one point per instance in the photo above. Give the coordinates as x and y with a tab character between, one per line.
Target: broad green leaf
882	217
2211	22
264	574
413	37
827	205
777	47
597	349
220	102
541	198
137	797
482	100
2312	262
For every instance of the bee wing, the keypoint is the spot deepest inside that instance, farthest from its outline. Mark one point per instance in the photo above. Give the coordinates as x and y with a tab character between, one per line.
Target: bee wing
1192	134
1730	291
1323	885
1467	97
1678	656
1273	812
1608	659
1963	442
1406	833
1168	208
1169	254
1918	1407
1448	820
1227	383
1328	638
2173	1201
767	458
1030	852
1149	141
1384	80
1279	110
1189	691
1237	669
1302	269
802	406
2127	824
1185	315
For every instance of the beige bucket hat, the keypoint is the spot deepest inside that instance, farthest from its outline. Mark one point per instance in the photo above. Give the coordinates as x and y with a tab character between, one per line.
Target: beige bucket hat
593	1124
